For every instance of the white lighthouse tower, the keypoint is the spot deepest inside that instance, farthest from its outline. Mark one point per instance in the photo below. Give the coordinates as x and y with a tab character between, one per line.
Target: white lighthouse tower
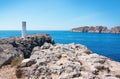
23	29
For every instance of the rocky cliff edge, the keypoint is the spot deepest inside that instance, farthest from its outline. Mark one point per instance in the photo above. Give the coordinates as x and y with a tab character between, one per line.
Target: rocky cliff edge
67	61
16	46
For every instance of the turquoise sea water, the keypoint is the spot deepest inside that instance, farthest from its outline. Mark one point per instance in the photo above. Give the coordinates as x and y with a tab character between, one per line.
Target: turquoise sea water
104	44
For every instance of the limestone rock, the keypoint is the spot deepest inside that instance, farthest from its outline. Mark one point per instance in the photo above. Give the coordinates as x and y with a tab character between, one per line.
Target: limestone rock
16	46
70	61
27	62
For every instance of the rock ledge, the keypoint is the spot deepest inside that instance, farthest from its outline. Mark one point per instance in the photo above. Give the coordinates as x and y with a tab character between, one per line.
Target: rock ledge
68	61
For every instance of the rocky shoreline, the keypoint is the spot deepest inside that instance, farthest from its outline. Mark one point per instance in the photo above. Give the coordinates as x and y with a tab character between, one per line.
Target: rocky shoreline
48	60
16	46
67	61
96	29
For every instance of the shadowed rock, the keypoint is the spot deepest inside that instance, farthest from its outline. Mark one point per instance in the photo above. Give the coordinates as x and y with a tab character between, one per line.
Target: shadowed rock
16	46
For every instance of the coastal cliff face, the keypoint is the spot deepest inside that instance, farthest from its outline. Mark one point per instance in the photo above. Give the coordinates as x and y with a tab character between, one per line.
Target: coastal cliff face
97	29
67	61
16	46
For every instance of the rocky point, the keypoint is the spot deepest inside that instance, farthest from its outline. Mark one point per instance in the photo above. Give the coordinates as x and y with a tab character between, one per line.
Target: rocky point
67	61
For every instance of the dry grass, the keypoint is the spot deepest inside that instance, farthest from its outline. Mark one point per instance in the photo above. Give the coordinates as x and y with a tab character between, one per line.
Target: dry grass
16	61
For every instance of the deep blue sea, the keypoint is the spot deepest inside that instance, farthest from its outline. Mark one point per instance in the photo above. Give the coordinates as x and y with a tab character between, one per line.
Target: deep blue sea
105	44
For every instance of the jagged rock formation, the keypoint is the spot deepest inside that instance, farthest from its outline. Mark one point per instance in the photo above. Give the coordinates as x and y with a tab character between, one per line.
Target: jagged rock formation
15	46
67	61
97	29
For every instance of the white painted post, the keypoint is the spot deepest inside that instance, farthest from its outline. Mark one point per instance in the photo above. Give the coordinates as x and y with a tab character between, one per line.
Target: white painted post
23	29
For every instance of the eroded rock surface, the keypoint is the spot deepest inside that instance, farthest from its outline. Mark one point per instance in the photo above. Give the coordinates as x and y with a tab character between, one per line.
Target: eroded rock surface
68	61
7	53
16	46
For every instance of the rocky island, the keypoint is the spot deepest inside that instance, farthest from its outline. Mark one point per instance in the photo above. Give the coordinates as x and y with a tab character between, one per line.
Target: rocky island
38	57
96	29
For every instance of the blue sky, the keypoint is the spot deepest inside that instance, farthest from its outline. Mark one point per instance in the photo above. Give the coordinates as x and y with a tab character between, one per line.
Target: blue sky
58	14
